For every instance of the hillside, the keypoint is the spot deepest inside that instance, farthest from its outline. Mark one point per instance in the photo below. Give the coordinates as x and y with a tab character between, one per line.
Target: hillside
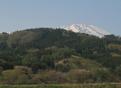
46	55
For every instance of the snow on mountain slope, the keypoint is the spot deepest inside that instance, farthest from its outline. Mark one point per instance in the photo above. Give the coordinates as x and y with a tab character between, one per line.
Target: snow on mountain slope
87	29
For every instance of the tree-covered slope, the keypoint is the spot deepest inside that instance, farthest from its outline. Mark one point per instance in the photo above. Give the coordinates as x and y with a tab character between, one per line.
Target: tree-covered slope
38	54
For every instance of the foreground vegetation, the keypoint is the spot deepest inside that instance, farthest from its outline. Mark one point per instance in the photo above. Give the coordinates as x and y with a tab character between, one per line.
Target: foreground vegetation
64	86
55	56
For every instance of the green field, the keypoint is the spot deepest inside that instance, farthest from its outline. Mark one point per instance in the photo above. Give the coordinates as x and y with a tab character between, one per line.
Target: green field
118	85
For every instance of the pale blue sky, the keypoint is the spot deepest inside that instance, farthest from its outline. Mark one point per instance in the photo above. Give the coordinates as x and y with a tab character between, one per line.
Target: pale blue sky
22	14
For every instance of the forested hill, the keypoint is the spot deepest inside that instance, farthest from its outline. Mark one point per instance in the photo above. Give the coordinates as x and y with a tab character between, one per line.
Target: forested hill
58	56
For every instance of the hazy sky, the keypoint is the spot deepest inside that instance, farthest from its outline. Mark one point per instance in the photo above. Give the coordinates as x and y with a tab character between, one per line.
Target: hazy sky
22	14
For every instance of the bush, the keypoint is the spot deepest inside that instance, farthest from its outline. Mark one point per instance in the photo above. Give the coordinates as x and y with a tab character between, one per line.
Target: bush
16	75
49	77
79	76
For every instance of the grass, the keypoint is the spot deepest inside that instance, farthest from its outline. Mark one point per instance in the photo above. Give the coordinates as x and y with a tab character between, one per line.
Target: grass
104	85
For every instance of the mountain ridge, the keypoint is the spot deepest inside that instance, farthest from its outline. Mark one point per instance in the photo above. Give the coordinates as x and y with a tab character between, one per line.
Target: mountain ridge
87	29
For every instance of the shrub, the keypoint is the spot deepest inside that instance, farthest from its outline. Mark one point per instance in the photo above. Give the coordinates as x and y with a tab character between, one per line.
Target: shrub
16	75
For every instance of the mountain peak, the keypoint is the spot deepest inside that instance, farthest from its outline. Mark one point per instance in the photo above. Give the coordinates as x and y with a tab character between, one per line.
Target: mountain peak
87	29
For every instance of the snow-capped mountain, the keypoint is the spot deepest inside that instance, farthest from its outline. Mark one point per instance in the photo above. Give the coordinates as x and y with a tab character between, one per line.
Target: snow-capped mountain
87	29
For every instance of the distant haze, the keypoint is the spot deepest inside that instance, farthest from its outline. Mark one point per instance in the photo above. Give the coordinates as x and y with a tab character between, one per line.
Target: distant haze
22	14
